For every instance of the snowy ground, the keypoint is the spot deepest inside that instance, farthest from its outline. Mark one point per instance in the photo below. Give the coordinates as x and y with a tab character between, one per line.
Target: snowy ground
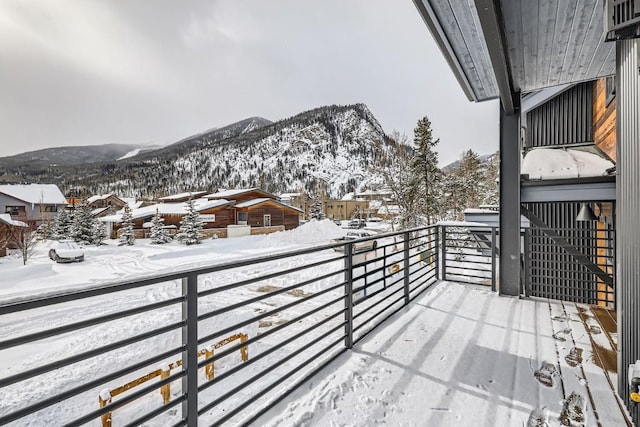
460	356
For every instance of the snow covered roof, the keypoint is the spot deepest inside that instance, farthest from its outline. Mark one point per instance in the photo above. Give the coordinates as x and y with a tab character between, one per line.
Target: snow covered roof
564	163
180	196
229	194
98	197
48	194
167	209
98	211
132	202
6	219
290	195
479	211
348	196
373	192
389	210
254	202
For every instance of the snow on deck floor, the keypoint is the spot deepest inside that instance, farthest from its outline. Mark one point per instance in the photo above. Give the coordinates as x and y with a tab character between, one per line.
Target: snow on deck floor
460	355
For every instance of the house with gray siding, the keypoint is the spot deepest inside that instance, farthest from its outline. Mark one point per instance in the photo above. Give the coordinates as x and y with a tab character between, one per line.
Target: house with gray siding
31	203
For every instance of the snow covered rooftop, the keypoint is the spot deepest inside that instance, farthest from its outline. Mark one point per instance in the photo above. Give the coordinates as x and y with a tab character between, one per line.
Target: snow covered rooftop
98	197
563	163
48	194
6	219
461	355
290	195
180	196
229	194
479	211
167	209
254	202
132	202
98	211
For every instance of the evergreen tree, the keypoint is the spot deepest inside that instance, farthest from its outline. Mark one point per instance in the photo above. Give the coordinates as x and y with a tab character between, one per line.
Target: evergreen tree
315	210
83	225
62	226
127	235
190	226
490	191
99	232
393	160
453	199
426	174
158	233
470	172
462	186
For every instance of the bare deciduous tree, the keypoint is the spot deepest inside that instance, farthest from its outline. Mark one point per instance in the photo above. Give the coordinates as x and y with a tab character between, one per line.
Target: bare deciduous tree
393	163
24	238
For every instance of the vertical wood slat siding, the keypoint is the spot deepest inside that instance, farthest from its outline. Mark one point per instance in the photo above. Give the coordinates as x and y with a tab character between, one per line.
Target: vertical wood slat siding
628	196
566	119
604	119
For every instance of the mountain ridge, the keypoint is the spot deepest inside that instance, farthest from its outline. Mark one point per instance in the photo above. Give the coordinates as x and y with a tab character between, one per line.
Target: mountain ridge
329	148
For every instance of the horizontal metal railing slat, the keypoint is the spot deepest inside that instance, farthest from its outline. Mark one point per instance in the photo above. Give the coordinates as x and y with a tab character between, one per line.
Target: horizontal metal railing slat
416	251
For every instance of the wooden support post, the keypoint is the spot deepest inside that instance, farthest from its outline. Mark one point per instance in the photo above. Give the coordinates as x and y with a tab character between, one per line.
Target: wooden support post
106	417
244	351
209	368
165	390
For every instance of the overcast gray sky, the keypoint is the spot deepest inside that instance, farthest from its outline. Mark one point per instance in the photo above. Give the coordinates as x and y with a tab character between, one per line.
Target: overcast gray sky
81	72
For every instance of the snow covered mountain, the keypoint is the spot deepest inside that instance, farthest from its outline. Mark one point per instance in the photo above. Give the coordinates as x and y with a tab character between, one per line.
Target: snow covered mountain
73	155
326	149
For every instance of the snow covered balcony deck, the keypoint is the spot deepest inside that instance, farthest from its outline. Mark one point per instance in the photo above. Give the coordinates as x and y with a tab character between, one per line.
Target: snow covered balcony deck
225	343
460	355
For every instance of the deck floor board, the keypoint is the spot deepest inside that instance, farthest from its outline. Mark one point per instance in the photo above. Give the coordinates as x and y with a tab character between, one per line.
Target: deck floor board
460	355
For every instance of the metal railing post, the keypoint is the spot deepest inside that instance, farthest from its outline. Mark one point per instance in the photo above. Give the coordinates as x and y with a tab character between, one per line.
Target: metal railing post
436	249
190	349
527	258
348	289
493	259
444	252
406	267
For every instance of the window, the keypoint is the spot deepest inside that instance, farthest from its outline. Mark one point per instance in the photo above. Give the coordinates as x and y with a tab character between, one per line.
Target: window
611	89
48	208
12	210
266	221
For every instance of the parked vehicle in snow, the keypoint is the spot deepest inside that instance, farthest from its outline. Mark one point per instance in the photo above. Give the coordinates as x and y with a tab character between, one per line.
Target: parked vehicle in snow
357	223
368	245
66	251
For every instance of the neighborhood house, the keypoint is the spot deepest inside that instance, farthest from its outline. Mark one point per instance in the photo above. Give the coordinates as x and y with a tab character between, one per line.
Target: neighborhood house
31	203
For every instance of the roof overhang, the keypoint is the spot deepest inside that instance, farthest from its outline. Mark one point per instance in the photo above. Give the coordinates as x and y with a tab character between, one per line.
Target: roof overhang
600	189
497	48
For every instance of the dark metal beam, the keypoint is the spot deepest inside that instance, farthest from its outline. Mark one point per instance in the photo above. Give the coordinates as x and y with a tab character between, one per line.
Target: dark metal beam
568	248
540	191
509	203
492	27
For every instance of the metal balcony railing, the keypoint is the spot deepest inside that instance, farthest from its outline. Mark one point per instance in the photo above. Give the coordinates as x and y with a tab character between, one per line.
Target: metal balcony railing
143	350
224	343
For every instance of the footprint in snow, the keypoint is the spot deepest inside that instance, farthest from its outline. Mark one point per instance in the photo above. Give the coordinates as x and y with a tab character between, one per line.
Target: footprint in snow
595	330
539	417
545	374
573	410
559	335
574	358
